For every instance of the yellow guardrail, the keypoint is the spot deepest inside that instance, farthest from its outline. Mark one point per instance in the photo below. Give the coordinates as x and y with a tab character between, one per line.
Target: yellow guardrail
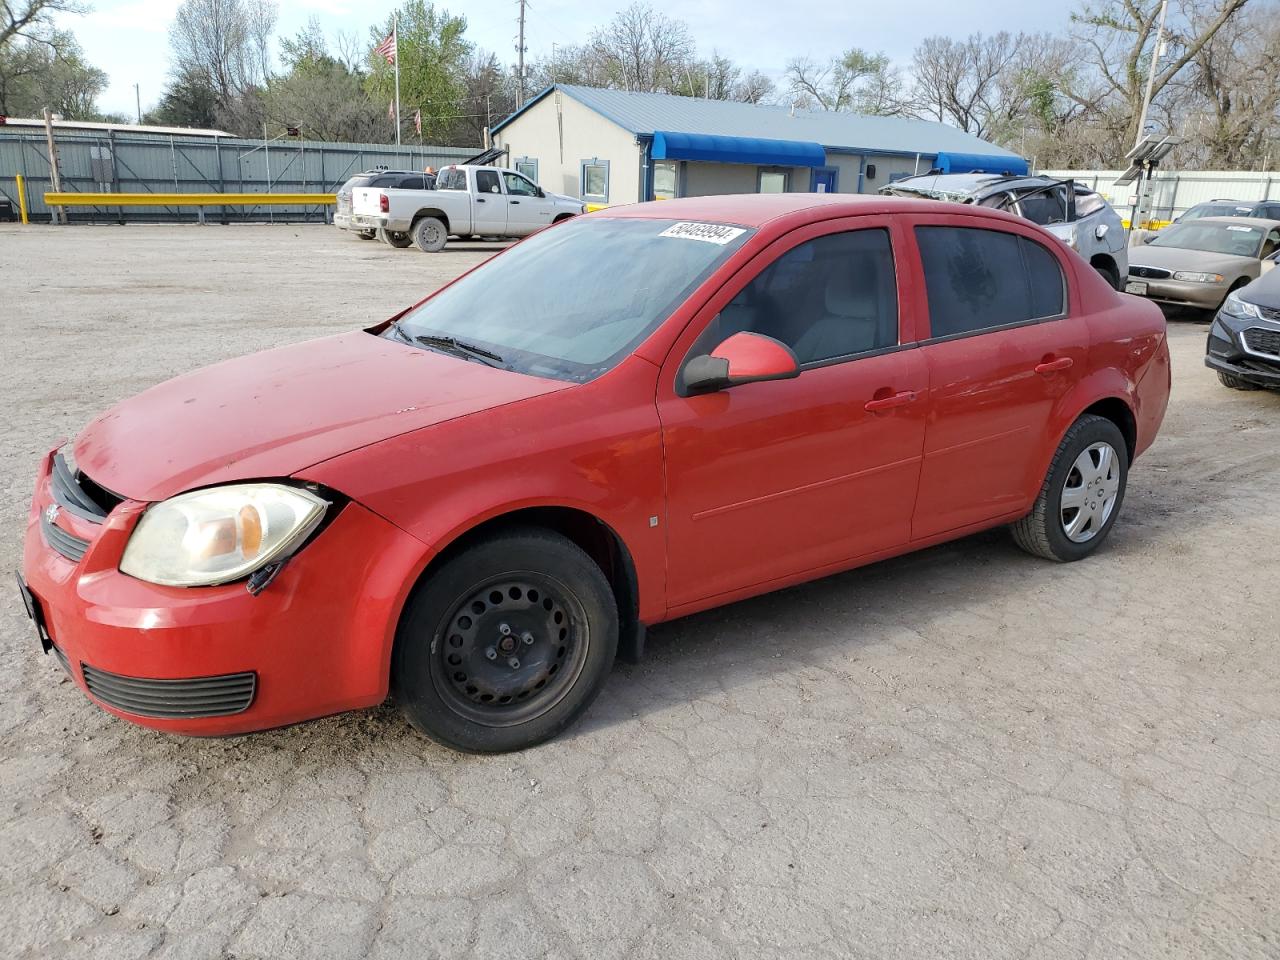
1149	224
187	199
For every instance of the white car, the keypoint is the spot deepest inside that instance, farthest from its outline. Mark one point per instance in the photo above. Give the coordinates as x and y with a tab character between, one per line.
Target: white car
468	201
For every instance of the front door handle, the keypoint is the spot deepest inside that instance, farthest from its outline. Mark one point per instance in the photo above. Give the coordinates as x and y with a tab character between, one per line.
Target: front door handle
888	403
1053	366
515	201
479	199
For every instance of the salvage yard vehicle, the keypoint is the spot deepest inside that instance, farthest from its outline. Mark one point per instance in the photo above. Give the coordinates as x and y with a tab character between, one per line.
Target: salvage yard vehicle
389	179
1200	263
1266	209
468	201
1078	216
630	417
1243	346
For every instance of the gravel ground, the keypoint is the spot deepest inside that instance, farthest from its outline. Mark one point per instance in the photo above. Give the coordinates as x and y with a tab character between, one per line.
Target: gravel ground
963	753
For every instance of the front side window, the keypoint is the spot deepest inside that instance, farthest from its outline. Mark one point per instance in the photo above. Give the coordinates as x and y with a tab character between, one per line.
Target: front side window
978	279
518	185
487	182
772	181
1044	207
831	297
595	180
570	303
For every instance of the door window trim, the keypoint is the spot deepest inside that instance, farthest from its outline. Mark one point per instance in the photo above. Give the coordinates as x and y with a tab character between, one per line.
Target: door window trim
993	228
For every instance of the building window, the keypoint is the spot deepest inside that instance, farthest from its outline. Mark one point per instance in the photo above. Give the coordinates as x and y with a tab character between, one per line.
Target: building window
527	166
773	181
595	180
666	179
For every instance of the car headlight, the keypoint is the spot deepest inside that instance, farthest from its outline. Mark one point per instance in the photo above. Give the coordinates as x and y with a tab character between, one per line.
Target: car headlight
1189	277
213	536
1235	307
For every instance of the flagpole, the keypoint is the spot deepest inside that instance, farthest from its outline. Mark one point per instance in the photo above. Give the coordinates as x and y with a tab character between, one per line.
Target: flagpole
395	33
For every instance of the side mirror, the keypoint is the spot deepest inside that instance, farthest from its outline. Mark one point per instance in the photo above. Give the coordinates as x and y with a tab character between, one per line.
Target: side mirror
742	358
541	193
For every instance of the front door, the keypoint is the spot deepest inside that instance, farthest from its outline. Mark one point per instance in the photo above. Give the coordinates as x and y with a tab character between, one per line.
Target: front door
824	180
1003	349
526	211
489	209
771	480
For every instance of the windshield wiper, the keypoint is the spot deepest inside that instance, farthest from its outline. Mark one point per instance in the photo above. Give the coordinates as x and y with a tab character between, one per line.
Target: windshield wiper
461	348
399	331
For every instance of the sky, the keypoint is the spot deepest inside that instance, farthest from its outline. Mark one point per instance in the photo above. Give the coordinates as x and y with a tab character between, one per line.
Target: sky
129	38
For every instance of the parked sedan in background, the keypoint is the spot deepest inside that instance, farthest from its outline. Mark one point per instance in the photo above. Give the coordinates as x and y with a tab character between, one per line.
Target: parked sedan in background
629	417
1069	210
1197	264
1265	209
388	179
1244	339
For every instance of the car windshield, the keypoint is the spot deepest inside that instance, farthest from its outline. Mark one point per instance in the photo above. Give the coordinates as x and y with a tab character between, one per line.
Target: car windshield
1217	210
571	301
1236	240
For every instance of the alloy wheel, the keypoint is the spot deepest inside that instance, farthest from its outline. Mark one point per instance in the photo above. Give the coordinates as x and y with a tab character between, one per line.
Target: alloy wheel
1089	492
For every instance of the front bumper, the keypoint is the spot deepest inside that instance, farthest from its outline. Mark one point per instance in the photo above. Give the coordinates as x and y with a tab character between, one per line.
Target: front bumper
1180	293
316	641
1227	349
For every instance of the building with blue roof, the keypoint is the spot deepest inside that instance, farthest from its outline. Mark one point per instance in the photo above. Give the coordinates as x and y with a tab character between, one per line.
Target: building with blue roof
612	146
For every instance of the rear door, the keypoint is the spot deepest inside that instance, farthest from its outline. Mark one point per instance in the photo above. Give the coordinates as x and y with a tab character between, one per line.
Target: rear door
1003	346
489	206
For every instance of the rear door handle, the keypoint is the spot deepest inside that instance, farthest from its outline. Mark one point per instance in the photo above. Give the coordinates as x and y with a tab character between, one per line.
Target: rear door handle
515	201
1053	366
888	403
479	199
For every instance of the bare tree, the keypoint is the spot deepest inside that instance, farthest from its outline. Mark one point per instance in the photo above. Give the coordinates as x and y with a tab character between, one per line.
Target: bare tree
22	18
856	81
642	50
224	42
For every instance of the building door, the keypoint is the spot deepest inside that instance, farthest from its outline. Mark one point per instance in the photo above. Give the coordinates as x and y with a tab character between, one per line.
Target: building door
824	180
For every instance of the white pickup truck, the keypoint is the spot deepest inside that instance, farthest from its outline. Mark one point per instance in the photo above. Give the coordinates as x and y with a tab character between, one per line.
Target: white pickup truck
468	201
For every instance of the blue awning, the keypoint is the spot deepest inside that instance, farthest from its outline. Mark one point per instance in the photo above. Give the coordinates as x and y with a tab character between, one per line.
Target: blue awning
981	163
669	145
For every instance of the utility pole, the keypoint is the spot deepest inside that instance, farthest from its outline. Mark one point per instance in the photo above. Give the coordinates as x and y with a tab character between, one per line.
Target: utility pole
1151	76
137	94
55	176
520	60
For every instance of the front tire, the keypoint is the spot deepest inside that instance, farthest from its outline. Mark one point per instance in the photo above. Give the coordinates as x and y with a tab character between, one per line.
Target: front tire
1081	495
1109	274
506	644
1235	383
395	238
430	234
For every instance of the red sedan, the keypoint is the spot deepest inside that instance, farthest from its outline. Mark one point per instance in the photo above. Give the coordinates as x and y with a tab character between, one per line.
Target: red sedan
627	418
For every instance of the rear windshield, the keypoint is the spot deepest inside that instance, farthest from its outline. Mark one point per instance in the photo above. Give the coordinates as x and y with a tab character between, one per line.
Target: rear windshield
572	301
359	180
1228	238
1217	210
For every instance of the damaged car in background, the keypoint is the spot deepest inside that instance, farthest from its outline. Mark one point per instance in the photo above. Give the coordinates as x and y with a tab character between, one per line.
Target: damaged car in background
1073	213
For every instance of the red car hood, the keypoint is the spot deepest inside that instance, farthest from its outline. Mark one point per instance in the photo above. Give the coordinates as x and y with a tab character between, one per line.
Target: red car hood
274	413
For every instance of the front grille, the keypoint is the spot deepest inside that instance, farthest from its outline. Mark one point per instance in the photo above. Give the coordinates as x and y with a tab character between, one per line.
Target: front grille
1271	313
79	494
1263	341
173	699
1150	273
67	544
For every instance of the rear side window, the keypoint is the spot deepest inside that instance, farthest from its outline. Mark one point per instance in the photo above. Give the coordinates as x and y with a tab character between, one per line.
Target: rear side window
451	178
1044	208
978	279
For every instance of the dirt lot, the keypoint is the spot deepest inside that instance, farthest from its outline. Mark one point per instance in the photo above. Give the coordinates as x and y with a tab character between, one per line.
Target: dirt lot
963	753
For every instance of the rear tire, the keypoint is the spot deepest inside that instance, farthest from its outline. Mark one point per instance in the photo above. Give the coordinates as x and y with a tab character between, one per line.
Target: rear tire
1109	274
505	645
395	238
430	234
1081	495
1235	383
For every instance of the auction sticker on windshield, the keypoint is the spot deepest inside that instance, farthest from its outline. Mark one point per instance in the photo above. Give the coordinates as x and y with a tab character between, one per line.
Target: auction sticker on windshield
706	232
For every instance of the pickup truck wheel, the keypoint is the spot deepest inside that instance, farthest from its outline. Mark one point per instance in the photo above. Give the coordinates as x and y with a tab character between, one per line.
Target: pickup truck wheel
1081	495
507	644
430	234
395	238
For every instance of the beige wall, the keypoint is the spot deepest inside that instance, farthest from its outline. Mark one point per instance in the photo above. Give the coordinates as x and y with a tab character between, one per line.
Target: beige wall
537	134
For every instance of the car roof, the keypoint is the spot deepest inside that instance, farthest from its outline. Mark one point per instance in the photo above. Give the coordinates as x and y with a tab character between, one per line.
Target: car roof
972	184
757	209
1261	222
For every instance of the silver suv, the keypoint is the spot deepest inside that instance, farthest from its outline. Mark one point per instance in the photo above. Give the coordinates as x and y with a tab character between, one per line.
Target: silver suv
1067	209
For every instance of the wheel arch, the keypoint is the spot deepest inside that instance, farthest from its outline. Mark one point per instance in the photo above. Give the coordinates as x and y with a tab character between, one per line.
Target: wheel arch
1118	411
1105	261
591	534
1105	394
430	212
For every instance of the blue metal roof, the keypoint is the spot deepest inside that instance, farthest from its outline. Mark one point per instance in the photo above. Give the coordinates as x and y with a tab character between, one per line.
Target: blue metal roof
670	145
644	114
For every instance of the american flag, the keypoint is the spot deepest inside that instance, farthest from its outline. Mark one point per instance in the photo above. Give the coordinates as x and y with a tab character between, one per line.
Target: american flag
387	48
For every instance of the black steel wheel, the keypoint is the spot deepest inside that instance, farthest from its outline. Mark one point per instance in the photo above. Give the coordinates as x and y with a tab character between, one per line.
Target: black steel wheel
506	644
